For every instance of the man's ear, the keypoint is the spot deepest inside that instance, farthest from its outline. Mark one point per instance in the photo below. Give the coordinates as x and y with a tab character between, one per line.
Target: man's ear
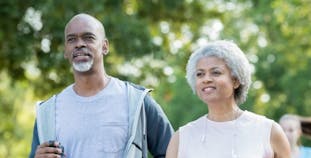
65	55
105	48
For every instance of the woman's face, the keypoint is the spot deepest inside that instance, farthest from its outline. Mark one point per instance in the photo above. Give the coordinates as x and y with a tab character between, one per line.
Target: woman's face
214	83
292	130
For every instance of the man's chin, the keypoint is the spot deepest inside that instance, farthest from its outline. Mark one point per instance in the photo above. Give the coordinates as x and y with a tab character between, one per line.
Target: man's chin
82	66
81	70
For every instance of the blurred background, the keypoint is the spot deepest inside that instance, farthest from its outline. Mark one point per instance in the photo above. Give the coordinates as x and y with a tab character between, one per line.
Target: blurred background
150	42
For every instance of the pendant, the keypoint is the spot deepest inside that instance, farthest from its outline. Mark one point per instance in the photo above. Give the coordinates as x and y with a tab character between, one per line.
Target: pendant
234	155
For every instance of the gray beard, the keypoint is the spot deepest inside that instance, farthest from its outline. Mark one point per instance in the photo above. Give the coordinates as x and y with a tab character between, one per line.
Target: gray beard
83	66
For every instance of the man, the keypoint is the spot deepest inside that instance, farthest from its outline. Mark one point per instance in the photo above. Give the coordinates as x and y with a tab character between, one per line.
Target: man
98	115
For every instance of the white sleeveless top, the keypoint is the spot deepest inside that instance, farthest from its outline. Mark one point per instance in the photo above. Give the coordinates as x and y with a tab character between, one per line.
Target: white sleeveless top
246	137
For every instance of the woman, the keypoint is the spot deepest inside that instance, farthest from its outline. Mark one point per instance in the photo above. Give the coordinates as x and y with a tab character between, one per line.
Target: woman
220	75
292	127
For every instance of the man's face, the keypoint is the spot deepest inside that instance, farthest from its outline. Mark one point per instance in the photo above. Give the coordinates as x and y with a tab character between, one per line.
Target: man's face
292	130
84	43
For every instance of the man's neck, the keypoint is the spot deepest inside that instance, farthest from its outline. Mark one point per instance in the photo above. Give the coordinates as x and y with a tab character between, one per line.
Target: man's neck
90	84
295	151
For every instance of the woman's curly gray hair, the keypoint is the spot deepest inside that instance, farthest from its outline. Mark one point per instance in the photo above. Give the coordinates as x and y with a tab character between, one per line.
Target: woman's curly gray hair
233	57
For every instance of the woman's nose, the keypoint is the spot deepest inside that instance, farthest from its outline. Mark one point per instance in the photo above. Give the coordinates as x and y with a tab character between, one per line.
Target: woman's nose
206	79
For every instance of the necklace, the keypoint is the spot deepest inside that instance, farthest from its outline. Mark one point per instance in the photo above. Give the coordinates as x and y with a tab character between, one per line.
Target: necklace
236	114
234	151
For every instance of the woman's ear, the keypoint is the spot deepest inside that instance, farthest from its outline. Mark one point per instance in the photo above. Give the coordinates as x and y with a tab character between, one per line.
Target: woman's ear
236	83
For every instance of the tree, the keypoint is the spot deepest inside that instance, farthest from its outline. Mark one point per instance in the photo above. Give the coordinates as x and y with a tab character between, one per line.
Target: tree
150	42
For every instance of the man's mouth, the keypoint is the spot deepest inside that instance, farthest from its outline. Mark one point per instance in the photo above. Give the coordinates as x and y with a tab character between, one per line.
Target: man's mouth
81	52
74	55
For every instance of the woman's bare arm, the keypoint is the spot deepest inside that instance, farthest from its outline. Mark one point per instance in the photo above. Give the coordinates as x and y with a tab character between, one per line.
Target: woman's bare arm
279	142
172	149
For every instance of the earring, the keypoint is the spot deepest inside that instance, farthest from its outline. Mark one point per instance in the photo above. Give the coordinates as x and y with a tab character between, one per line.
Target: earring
105	52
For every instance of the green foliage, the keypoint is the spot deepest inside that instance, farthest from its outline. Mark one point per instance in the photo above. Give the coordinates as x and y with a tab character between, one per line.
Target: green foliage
180	103
150	42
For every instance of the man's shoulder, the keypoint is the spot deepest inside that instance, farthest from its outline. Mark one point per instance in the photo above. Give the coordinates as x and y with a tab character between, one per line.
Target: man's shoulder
53	96
139	87
47	101
306	148
128	83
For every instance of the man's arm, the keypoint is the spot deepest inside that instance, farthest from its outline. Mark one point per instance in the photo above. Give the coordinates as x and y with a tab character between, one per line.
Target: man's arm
35	141
46	149
159	129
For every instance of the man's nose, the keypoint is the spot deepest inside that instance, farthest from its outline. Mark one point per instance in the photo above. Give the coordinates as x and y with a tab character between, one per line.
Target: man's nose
80	43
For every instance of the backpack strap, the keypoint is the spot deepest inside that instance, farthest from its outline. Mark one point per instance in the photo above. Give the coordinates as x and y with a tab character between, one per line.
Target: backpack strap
46	120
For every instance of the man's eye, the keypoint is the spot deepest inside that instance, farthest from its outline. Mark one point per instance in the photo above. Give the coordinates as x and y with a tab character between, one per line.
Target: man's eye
89	38
70	39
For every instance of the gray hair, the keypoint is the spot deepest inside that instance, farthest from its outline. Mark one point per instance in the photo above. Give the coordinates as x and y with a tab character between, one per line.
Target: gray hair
234	58
291	117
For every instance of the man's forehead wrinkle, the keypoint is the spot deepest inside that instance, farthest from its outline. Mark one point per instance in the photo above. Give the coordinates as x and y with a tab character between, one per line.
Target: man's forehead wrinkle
86	20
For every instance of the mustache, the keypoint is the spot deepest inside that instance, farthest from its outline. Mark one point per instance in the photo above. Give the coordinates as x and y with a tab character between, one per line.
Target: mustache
81	51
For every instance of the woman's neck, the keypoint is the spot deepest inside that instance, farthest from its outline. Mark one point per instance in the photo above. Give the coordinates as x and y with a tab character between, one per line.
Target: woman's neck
224	114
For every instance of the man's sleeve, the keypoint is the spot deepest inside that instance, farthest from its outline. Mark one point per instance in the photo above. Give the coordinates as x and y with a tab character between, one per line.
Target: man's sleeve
35	141
159	129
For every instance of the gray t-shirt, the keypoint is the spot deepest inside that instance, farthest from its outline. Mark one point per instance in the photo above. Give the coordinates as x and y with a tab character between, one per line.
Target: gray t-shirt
95	126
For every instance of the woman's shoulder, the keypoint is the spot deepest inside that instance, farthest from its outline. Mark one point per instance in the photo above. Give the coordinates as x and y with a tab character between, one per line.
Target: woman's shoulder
251	116
193	124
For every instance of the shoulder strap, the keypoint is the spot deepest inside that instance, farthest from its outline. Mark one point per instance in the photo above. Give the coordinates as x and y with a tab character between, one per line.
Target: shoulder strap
46	120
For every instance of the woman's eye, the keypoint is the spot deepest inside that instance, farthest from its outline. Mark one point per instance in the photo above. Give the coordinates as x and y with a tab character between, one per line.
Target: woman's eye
199	74
216	72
